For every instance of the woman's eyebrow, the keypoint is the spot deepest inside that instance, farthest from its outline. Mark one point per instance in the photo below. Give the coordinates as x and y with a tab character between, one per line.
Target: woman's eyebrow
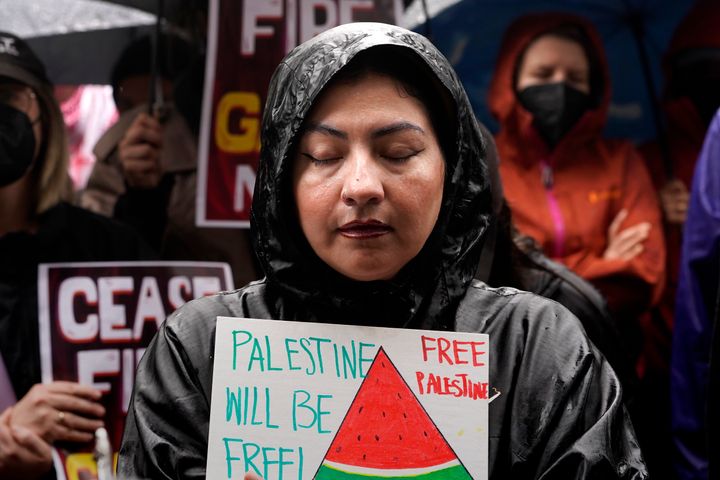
396	127
380	132
326	130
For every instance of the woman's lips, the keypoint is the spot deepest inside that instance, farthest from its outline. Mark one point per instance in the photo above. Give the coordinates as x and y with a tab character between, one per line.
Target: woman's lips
362	229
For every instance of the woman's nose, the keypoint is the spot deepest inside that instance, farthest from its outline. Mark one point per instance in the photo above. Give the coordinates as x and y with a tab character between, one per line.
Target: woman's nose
560	76
363	182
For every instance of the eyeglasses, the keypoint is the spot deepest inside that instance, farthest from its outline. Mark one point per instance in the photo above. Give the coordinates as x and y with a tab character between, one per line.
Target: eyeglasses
18	96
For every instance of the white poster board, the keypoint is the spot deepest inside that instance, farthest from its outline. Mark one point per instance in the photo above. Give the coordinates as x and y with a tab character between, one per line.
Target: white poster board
296	400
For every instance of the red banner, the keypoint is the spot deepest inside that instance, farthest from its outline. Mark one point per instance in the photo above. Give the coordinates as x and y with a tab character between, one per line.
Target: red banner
246	41
96	319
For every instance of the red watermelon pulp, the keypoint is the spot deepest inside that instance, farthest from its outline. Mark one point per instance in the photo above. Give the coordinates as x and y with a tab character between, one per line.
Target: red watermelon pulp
386	433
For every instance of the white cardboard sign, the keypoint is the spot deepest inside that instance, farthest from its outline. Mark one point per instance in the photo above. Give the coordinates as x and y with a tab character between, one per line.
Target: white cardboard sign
301	401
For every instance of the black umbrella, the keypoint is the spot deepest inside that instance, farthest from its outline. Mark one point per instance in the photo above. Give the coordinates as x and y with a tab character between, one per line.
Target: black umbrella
182	13
77	40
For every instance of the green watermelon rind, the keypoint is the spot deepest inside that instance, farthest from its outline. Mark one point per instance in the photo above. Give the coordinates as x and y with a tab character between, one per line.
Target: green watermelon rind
456	472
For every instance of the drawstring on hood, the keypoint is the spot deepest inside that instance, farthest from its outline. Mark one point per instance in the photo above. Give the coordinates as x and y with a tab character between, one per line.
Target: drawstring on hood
431	284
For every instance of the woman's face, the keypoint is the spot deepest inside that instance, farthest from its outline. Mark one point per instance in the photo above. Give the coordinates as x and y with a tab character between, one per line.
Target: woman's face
552	59
368	177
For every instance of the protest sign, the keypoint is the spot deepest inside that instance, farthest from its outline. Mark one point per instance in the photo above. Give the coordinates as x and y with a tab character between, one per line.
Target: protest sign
96	319
246	41
295	400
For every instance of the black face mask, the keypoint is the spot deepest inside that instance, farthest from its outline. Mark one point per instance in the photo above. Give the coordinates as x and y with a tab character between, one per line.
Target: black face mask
555	107
17	144
701	87
705	95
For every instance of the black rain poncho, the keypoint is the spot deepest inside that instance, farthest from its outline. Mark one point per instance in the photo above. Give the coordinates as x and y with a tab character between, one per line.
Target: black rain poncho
559	415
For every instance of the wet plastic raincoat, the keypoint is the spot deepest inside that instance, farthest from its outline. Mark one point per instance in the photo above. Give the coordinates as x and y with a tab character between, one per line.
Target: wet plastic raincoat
560	413
567	197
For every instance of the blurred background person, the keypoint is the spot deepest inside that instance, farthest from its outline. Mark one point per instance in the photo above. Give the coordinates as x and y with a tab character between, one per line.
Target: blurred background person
37	225
588	202
146	169
585	200
691	96
695	341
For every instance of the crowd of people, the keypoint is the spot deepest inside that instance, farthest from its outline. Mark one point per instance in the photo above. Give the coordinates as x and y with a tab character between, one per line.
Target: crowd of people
386	201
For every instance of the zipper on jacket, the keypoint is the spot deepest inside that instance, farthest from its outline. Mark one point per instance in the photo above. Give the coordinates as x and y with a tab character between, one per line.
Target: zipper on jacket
548	180
547	176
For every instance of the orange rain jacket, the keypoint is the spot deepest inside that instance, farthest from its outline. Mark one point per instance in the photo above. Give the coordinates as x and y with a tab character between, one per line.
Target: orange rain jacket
566	198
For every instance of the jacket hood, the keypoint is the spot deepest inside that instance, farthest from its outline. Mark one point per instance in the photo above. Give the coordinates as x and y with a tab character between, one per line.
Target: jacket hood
502	98
698	29
696	32
427	289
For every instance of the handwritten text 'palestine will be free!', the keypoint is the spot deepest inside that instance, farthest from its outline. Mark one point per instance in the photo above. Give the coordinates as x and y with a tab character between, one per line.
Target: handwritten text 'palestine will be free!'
298	383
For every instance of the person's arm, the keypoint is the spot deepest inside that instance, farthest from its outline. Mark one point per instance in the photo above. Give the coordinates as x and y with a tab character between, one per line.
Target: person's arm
24	455
60	411
143	204
106	182
630	272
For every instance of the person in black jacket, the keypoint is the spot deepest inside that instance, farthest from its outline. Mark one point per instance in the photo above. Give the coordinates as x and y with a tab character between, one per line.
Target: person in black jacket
370	207
38	226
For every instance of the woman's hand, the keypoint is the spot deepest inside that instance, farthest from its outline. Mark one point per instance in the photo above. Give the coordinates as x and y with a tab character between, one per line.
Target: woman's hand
628	243
23	454
252	476
139	152
60	411
674	198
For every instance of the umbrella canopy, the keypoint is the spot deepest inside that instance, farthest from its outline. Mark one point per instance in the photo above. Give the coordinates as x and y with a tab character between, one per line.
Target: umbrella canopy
469	33
78	40
152	5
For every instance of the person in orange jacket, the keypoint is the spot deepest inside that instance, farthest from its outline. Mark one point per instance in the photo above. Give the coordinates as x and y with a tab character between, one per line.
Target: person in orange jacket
586	200
589	202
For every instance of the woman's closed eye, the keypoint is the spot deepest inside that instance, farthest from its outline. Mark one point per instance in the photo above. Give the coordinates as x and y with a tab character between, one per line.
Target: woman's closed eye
401	156
321	159
542	73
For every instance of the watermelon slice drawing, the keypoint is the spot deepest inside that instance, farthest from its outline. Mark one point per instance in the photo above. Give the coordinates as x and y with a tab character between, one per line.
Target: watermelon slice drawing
386	433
